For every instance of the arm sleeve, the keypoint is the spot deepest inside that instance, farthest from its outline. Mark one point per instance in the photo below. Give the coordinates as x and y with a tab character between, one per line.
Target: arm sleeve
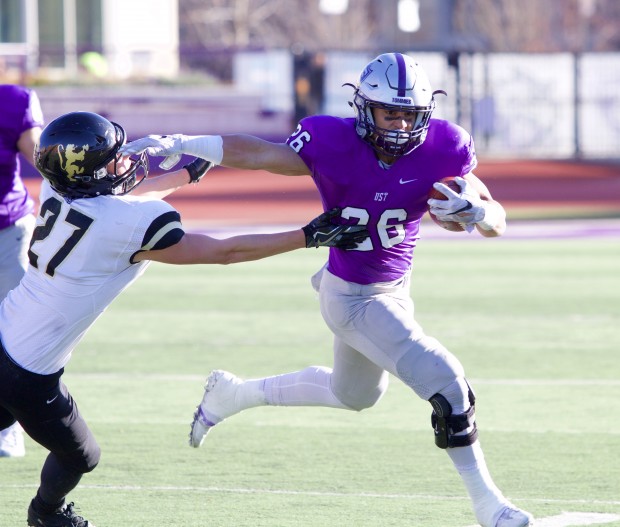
163	232
34	114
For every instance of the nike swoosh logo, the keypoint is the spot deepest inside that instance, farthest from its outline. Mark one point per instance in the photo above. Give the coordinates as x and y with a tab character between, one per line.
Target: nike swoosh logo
328	235
50	401
402	182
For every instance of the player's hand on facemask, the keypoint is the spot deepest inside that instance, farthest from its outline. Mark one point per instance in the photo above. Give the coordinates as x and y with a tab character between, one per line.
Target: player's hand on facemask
323	232
465	207
170	146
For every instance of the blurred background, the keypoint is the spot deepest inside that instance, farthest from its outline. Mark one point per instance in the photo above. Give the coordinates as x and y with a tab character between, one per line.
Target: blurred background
532	80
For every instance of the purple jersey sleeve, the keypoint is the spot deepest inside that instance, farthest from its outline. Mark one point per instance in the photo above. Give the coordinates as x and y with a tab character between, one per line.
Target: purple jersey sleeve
20	110
390	202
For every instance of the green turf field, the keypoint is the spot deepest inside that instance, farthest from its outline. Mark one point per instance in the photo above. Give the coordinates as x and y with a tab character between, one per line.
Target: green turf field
534	322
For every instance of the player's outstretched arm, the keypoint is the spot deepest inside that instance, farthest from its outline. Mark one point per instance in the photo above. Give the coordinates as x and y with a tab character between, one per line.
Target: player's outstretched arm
159	187
235	151
322	231
249	152
196	248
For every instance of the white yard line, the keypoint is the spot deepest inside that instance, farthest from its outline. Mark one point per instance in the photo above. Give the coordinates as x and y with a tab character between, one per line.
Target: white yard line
286	492
565	519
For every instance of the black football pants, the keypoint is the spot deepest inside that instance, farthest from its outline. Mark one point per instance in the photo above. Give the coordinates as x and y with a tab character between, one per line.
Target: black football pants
49	415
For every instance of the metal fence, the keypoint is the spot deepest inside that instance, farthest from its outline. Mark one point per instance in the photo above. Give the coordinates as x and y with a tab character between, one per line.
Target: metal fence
515	105
534	106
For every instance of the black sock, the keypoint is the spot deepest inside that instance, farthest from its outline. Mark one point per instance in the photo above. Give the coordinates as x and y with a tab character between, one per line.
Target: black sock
42	507
57	480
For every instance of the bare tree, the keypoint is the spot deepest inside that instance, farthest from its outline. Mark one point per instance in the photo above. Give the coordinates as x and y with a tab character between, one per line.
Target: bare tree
274	24
538	25
211	30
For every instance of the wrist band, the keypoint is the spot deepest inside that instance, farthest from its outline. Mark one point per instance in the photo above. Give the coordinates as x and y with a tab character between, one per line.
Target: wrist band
492	215
209	147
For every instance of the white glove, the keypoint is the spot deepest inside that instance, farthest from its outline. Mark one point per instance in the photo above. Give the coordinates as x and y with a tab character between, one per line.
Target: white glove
170	146
208	147
466	208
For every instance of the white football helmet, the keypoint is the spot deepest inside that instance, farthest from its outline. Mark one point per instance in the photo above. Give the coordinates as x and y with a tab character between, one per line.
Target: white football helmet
393	81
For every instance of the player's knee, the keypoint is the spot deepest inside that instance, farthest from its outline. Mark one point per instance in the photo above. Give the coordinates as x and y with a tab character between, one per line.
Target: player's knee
360	397
92	460
454	424
85	459
363	402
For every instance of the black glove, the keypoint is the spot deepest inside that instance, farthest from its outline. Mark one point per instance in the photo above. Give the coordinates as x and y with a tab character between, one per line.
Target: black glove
321	232
197	169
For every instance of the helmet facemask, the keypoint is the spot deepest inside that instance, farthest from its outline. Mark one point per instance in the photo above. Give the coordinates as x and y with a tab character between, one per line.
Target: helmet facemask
389	142
120	184
127	181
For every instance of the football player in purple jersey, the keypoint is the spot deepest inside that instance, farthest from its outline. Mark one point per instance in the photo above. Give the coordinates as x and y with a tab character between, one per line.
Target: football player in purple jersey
21	120
100	225
378	167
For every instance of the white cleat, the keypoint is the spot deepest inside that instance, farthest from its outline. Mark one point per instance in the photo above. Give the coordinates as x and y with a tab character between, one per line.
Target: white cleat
12	441
218	403
513	517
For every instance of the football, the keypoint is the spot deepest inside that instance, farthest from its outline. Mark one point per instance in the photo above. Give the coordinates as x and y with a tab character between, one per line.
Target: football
435	194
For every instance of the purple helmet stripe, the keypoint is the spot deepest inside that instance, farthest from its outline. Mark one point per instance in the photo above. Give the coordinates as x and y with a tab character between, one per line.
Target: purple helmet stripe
402	74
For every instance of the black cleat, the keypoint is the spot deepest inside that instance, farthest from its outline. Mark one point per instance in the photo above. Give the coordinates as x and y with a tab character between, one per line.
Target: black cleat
63	517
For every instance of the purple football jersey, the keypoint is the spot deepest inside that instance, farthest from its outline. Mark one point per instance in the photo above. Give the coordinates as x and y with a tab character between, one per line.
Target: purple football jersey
390	202
20	110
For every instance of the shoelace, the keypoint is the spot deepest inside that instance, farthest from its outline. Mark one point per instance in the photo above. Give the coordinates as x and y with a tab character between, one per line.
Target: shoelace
75	518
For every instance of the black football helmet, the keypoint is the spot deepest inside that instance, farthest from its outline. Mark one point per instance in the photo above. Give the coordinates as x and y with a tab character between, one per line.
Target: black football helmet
75	150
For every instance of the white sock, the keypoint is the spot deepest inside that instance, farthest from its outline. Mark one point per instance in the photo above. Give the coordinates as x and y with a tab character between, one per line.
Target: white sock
487	499
250	393
308	387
